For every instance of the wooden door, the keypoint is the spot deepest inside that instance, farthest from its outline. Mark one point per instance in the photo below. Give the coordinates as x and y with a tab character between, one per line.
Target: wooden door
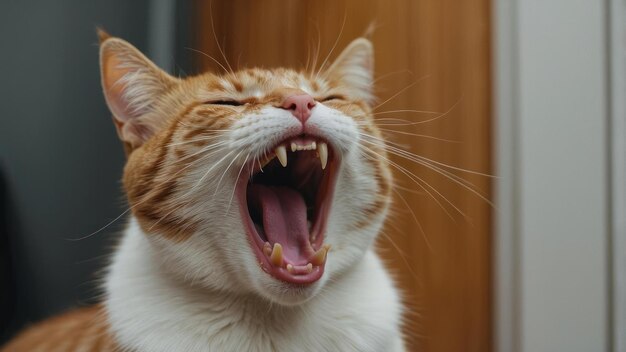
431	55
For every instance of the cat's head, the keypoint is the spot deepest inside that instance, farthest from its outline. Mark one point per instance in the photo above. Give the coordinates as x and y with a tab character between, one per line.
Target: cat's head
257	181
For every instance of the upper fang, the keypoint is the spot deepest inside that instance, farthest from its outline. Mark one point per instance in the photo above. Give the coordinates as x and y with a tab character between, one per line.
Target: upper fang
322	149
281	154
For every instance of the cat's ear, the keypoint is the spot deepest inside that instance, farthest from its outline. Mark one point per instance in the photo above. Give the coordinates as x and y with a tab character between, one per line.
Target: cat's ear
355	68
132	86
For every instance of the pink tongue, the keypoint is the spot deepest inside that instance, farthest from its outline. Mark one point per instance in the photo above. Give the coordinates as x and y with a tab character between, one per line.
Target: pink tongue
284	219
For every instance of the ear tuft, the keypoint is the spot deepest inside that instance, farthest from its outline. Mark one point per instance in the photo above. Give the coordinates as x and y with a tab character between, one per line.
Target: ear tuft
355	68
102	35
133	87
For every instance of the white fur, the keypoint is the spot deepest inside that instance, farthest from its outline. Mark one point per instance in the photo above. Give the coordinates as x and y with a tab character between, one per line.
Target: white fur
151	310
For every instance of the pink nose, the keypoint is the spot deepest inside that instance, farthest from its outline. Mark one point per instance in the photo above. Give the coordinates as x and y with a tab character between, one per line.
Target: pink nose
300	106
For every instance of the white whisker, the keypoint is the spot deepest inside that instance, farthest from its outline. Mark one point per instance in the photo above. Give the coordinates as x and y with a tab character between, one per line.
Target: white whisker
219	47
427	163
421	183
343	24
226	171
237	180
417	222
209	170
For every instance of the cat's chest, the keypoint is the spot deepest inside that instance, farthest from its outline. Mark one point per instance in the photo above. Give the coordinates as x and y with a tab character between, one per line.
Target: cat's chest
311	328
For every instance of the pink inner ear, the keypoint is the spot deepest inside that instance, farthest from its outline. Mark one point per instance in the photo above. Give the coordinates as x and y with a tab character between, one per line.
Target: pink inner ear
114	90
126	118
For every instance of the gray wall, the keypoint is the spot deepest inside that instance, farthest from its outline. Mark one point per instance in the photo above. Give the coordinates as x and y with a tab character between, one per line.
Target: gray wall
59	154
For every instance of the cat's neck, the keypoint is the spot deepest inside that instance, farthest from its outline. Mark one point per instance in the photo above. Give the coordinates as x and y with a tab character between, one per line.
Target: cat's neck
148	309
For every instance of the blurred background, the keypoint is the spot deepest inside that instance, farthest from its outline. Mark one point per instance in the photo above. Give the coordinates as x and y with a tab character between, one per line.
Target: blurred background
508	124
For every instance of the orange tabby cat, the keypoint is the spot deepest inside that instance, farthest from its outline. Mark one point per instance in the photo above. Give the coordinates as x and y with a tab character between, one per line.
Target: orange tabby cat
255	197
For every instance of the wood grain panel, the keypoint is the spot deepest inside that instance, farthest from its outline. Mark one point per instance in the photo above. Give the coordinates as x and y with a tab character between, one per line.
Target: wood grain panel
442	47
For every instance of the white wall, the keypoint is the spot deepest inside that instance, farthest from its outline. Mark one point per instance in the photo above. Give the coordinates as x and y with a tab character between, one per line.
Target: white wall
553	123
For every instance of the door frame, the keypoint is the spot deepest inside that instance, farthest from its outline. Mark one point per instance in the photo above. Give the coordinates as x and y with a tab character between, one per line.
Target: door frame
554	263
617	76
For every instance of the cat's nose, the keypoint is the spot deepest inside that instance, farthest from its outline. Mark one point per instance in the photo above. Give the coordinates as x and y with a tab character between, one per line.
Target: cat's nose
300	106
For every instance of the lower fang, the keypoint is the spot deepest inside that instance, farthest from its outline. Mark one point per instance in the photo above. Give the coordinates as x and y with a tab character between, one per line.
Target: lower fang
277	255
319	257
290	268
309	268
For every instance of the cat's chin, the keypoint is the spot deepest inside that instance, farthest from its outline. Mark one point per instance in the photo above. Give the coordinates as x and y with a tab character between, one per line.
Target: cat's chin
284	203
285	294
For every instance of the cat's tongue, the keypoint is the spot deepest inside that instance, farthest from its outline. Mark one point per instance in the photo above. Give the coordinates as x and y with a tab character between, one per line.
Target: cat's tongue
283	212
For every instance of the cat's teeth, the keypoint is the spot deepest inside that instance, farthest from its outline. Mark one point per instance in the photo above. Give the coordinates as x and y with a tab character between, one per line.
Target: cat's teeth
281	154
267	249
323	153
309	268
277	255
290	268
296	147
319	257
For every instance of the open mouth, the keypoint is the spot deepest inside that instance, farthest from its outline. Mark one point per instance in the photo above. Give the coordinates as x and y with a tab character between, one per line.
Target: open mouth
284	206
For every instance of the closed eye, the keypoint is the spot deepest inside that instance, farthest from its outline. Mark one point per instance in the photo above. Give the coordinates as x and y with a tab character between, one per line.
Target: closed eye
332	97
225	102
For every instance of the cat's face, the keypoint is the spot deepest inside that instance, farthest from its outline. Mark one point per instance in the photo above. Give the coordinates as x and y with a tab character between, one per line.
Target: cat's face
257	181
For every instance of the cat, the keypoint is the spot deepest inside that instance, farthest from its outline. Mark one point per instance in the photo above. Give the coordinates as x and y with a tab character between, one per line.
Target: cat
255	203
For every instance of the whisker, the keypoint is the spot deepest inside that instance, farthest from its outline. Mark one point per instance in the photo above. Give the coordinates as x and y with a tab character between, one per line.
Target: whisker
408	190
416	135
402	255
427	159
446	113
167	214
209	56
392	119
405	110
386	75
343	24
417	222
178	207
317	49
219	47
206	138
416	179
426	162
215	149
308	56
225	171
401	91
236	180
209	170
